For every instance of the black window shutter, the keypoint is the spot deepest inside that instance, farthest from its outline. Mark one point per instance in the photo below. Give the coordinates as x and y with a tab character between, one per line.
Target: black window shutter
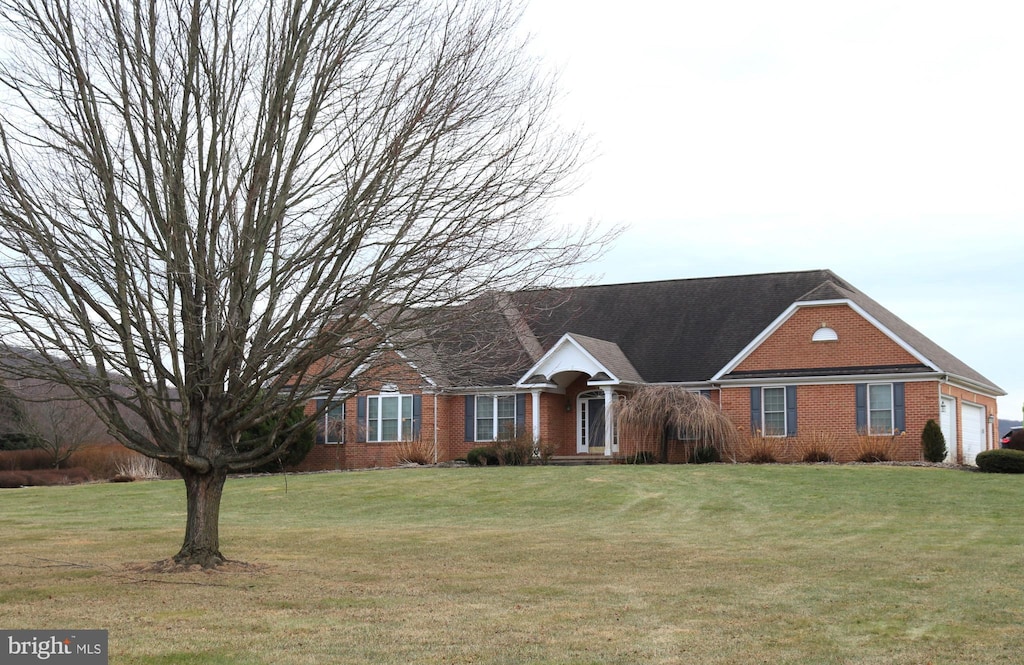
361	418
470	418
862	408
790	410
320	433
521	414
755	410
899	409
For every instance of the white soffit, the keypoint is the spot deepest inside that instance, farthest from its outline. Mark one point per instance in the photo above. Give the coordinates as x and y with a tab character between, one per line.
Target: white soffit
567	355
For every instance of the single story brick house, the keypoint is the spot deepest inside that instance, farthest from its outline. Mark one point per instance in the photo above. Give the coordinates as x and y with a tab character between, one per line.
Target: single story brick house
784	354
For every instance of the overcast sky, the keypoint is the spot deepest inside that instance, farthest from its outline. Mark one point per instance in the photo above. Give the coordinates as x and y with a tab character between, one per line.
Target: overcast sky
882	140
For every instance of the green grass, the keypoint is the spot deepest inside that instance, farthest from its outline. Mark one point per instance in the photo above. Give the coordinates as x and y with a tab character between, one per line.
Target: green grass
624	564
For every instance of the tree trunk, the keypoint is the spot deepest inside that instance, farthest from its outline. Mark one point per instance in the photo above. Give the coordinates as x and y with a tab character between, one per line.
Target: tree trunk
202	528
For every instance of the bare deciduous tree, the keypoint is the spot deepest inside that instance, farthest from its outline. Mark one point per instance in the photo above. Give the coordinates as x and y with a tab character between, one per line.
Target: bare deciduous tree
55	420
213	210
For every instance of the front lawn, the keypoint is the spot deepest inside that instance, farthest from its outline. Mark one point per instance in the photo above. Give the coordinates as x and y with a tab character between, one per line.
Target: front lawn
620	564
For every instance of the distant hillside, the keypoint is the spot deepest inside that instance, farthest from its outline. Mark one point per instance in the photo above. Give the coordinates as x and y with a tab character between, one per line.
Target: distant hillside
1005	425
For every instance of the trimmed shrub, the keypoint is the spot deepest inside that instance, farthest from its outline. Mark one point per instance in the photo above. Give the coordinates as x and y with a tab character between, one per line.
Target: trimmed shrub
933	443
482	456
705	454
1003	460
513	448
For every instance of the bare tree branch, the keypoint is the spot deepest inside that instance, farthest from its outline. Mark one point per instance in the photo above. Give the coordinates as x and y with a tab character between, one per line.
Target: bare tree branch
204	201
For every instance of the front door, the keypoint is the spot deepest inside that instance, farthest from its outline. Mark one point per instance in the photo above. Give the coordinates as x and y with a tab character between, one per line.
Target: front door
595	425
591	423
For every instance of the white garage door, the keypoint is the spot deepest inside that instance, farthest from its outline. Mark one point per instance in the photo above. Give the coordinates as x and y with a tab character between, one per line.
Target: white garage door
973	419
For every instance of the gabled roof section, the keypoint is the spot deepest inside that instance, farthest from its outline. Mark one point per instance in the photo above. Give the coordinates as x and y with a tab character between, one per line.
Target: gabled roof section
931	356
827	290
575	353
923	363
610	356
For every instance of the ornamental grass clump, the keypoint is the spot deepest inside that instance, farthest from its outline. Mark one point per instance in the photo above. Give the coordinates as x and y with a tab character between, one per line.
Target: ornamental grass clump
760	449
877	447
817	447
415	451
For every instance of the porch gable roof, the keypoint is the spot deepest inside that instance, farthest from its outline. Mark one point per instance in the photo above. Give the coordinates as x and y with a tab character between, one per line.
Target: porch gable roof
586	355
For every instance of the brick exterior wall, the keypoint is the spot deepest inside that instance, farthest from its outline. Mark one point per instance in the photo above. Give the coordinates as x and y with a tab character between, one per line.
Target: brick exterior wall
860	344
824	409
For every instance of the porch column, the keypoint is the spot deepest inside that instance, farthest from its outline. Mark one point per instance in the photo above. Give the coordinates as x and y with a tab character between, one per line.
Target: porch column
609	420
535	405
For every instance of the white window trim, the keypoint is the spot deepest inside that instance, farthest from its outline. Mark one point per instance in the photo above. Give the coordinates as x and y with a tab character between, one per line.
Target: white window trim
892	410
328	429
785	413
582	422
494	415
402	417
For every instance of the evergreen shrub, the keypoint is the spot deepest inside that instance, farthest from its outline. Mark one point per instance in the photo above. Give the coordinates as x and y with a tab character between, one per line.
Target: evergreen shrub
933	443
482	456
641	457
705	454
290	456
1003	460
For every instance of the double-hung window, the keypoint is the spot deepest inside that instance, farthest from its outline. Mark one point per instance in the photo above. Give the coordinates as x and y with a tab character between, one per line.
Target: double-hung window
330	428
495	416
880	408
773	411
389	418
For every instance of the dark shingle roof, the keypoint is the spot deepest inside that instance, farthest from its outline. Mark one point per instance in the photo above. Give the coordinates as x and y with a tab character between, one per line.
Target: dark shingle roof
611	356
687	330
677	330
669	331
